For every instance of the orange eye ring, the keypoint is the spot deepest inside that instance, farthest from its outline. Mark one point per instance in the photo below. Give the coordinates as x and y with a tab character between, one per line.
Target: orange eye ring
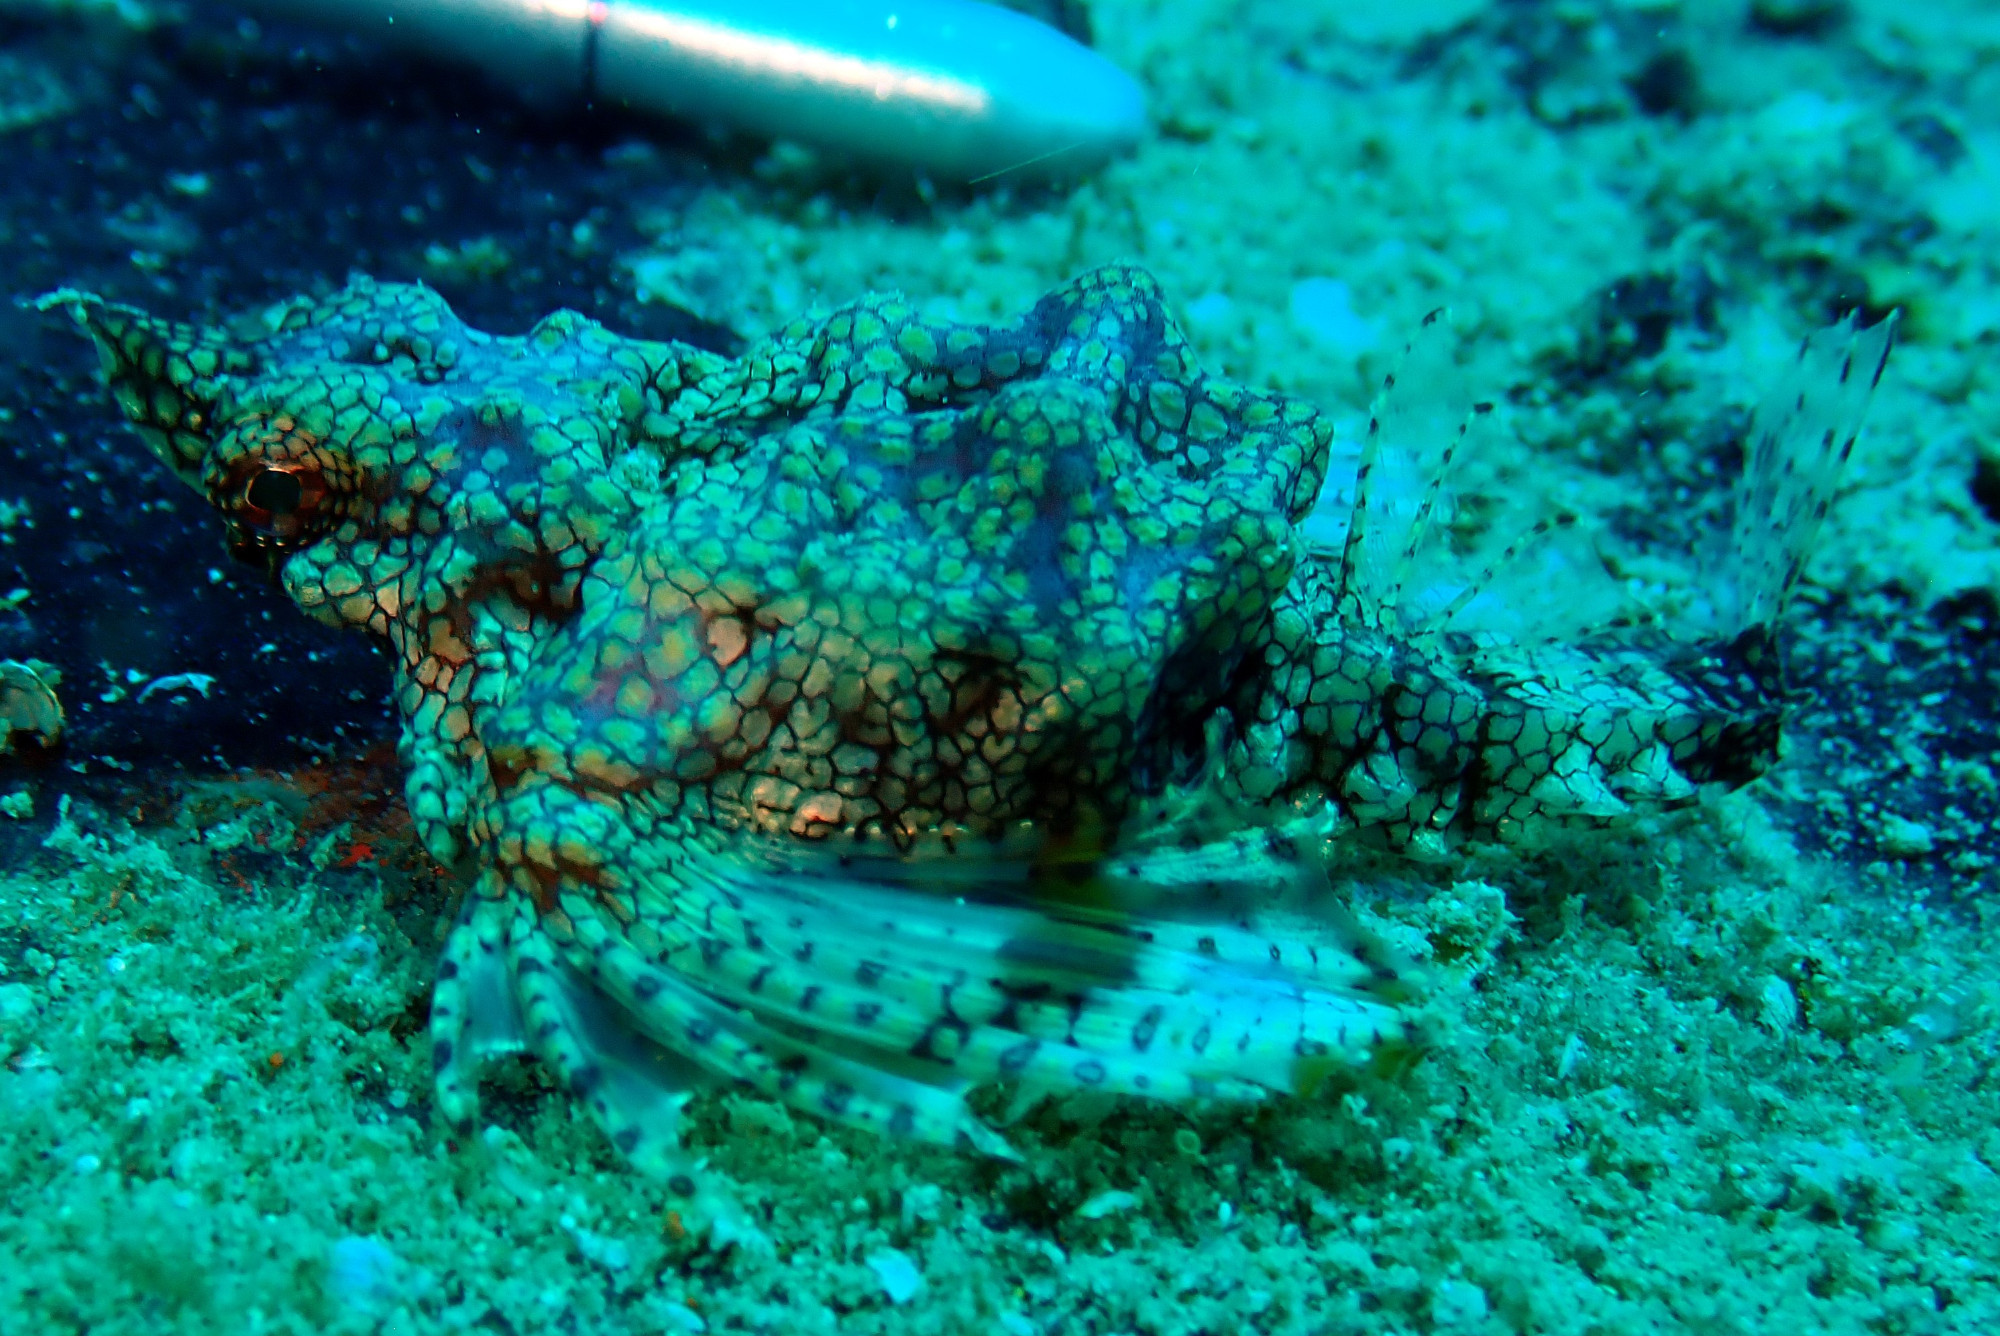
280	501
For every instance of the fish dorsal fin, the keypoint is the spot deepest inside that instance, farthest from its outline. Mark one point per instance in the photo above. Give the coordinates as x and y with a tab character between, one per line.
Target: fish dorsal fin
1417	426
1399	568
1800	440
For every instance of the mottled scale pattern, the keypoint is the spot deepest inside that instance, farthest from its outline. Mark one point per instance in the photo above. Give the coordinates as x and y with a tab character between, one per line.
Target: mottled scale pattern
850	719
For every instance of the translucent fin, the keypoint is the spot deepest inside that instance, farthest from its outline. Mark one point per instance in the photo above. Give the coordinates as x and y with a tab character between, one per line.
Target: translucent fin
474	1016
1546	585
1415	427
1009	983
735	1043
635	1089
1800	440
502	989
1325	528
1211	899
1398	566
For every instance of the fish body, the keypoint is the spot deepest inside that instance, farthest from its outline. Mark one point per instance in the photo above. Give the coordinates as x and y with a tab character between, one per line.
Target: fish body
871	716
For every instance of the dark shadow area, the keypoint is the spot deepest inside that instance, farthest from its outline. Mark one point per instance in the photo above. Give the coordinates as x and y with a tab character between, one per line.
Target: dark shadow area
203	170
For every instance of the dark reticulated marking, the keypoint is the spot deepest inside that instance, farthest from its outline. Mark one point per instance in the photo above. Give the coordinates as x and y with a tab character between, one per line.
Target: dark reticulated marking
1148	1026
897	582
1014	1059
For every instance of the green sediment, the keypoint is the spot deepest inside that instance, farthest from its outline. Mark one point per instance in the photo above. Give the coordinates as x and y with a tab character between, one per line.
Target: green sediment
1692	1081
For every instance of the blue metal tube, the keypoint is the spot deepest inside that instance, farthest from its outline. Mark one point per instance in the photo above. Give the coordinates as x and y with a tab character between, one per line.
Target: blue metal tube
953	88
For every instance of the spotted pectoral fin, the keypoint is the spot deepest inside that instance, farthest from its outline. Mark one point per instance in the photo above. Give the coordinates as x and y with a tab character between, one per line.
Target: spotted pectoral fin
987	978
474	1016
809	1069
504	988
167	378
1213	897
491	1003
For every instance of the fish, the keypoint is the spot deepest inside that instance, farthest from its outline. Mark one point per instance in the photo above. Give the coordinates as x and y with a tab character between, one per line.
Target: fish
906	707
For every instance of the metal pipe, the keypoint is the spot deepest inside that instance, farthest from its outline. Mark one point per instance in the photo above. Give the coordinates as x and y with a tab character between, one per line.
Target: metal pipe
953	88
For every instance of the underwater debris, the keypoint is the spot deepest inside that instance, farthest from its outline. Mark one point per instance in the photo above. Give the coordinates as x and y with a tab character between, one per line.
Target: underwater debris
29	707
905	706
33	93
966	91
199	683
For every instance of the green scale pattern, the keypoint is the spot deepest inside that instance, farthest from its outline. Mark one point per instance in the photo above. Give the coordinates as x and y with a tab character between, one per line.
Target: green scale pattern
815	719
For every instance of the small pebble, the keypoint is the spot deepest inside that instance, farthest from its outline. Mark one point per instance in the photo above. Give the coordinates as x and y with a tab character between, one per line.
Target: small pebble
1458	1303
1110	1202
17	1002
364	1274
682	1318
1903	838
899	1275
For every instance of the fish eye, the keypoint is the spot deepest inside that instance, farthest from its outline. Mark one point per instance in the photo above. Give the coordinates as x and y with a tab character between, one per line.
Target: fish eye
278	501
276	492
